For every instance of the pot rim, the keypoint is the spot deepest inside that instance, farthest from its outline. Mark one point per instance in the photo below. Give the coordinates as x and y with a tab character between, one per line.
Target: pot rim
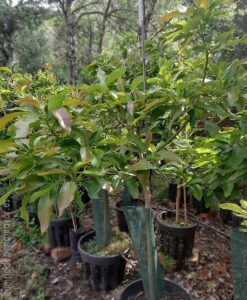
191	217
97	256
120	208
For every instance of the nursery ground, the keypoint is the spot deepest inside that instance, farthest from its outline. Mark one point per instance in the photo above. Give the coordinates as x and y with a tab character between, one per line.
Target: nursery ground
34	276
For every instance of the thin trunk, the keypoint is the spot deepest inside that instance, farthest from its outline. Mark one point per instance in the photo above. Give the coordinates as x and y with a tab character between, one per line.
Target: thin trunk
90	44
103	26
147	194
185	206
178	204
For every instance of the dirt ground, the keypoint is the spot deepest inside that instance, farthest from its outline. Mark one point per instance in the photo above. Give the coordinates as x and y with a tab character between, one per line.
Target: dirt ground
34	275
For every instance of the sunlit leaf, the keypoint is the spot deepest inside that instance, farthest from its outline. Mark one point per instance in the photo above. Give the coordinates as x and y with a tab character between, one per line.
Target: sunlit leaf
66	196
44	212
64	119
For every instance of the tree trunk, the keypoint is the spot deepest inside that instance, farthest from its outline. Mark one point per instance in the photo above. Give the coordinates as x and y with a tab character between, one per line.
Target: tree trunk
103	26
71	47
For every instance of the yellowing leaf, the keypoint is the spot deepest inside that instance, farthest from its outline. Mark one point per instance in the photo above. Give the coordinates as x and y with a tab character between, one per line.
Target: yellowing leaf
29	101
167	17
202	3
44	212
75	102
66	196
51	172
6	146
185	43
8	118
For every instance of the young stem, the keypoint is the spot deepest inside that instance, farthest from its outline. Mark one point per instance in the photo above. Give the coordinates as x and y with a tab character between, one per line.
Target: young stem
73	219
178	204
185	206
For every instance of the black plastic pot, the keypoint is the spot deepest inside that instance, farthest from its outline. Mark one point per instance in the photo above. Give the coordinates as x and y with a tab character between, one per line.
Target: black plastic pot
122	224
101	273
11	205
58	232
74	237
172	289
200	206
236	221
226	215
176	242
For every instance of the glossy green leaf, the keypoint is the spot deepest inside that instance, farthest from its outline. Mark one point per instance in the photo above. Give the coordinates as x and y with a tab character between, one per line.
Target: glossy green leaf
114	76
133	187
42	192
7	146
142	165
196	190
93	186
228	188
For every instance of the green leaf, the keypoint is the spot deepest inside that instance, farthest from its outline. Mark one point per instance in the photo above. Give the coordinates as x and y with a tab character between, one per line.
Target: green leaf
44	212
42	192
114	76
113	141
233	207
23	210
132	186
142	165
78	200
233	96
171	15
165	155
202	3
237	174
4	197
66	196
51	172
212	128
81	164
136	82
228	188
196	190
243	204
93	186
56	101
8	118
236	156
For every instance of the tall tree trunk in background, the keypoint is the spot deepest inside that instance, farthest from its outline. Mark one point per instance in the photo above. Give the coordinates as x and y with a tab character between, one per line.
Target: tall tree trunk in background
103	26
90	44
70	39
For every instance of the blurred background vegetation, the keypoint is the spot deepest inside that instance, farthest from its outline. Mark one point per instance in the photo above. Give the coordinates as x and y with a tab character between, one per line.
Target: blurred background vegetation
70	34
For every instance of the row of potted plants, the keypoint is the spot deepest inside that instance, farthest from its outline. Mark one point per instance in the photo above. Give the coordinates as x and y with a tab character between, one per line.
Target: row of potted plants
117	132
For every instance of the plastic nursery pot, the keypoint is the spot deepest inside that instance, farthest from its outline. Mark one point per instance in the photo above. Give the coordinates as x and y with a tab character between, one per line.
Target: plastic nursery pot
172	289
122	224
11	205
225	215
101	273
176	241
236	221
58	232
200	206
74	237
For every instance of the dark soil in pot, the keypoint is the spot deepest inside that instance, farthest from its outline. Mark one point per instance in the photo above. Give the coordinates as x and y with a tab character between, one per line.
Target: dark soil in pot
122	224
177	240
74	237
134	291
101	273
58	232
11	205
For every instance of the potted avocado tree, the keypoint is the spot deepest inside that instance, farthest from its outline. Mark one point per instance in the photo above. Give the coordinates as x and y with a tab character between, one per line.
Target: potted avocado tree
41	157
